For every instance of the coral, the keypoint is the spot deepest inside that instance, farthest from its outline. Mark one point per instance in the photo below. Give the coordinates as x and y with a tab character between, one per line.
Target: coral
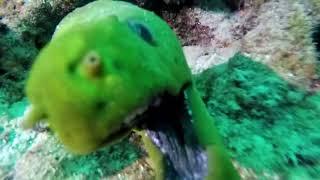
268	124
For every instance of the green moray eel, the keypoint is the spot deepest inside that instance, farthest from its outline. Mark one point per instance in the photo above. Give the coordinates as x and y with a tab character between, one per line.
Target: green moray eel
106	63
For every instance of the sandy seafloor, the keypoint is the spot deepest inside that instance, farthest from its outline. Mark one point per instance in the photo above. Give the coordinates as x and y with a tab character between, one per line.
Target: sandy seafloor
277	33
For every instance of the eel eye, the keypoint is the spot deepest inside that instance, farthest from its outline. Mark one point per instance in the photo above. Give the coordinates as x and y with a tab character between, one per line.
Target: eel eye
92	65
143	31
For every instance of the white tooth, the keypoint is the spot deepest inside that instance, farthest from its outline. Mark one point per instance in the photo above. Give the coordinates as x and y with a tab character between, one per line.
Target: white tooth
157	102
141	110
133	114
128	119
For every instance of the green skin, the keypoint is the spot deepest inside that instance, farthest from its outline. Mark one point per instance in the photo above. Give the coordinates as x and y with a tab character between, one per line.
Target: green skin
98	73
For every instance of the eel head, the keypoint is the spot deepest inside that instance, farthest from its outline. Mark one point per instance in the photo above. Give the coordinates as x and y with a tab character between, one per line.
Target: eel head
91	82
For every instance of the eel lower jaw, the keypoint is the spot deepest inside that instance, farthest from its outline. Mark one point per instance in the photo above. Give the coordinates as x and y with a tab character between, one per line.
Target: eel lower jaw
134	119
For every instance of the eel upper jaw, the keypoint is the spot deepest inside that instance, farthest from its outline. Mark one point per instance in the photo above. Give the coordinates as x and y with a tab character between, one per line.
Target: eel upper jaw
33	116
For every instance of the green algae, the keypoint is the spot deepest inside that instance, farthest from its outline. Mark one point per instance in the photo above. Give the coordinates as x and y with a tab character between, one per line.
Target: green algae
1	129
105	162
11	109
267	124
17	109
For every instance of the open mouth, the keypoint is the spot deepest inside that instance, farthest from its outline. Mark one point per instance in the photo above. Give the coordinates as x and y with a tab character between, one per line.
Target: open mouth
170	127
168	124
134	119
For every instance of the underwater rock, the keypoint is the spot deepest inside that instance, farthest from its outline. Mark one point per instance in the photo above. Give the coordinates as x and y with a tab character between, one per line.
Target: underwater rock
257	30
176	2
283	41
277	33
235	4
313	9
25	26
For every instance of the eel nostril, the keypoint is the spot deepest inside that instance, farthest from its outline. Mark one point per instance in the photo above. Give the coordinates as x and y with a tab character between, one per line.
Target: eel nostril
92	64
93	60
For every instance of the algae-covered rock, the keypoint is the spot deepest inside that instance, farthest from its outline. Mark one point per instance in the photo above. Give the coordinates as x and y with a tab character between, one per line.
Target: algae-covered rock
268	124
33	154
37	154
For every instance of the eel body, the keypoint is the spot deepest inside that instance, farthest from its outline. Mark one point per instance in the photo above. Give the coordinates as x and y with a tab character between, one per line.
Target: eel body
107	64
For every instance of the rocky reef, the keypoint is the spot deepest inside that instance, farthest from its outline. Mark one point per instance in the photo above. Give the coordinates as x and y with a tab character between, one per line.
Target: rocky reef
266	110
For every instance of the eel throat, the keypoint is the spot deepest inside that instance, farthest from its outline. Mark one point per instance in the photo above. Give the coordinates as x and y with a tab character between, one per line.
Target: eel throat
170	128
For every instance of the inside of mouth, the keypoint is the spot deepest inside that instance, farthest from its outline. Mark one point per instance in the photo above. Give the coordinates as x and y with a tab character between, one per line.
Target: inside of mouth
127	125
169	126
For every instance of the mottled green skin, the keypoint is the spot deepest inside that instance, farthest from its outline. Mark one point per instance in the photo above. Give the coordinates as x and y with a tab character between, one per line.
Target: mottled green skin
96	71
